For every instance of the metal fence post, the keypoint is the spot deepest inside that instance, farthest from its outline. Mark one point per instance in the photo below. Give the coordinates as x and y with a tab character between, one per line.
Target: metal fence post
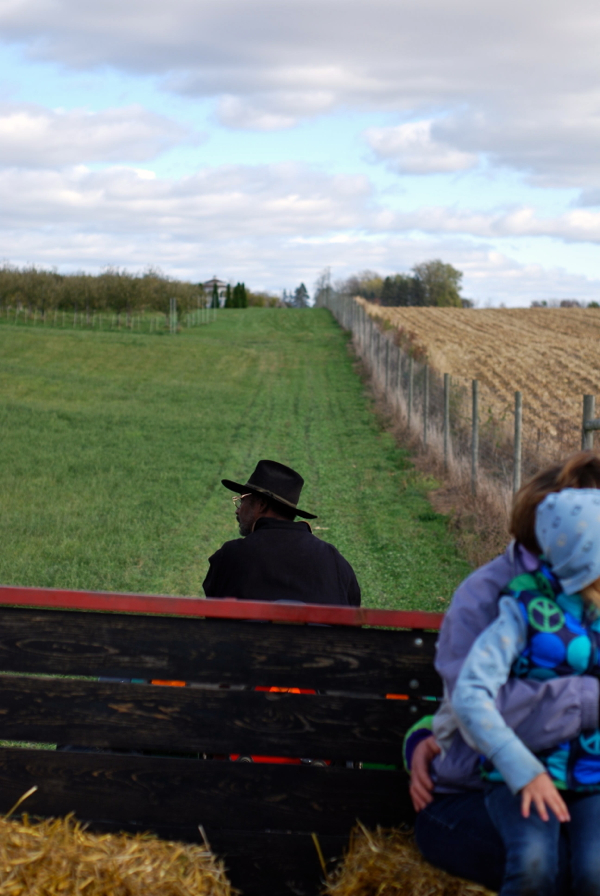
446	418
518	442
475	438
425	403
587	436
411	387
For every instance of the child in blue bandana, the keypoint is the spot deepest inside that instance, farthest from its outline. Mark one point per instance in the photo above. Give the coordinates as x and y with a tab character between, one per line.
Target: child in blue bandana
548	626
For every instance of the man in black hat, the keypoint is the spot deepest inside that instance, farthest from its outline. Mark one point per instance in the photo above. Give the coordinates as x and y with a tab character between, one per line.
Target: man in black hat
277	558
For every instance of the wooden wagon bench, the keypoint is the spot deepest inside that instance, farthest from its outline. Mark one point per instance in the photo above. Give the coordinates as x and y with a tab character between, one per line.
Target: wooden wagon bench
169	768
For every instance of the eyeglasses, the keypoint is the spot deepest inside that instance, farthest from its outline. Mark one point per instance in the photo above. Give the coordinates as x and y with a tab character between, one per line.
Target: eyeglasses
239	498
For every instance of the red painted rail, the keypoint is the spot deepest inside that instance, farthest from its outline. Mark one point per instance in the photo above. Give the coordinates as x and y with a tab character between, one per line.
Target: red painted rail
220	608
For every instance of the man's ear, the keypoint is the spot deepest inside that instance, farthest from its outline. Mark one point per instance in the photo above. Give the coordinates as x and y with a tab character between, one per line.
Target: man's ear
261	504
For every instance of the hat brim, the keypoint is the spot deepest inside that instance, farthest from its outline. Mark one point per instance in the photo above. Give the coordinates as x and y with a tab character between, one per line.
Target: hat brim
257	490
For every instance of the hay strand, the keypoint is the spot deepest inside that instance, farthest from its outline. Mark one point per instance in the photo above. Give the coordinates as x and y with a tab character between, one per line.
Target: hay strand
21	799
315	840
388	863
59	857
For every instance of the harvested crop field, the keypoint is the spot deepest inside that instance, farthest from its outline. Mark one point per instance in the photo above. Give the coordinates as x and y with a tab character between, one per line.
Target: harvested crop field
552	355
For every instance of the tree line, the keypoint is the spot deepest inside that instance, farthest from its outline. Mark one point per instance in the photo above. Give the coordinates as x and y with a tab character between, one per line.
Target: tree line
116	291
429	283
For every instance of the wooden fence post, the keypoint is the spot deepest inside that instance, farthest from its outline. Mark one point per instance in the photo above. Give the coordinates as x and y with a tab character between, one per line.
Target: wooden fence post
475	438
518	442
587	435
425	403
387	367
411	387
446	418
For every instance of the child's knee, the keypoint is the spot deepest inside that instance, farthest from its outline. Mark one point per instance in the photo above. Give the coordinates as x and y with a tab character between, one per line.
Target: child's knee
532	870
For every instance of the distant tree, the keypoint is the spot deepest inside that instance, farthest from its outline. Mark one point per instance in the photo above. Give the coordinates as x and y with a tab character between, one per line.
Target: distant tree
401	289
388	292
440	283
214	302
570	303
593	305
239	297
228	297
301	296
367	284
323	288
263	299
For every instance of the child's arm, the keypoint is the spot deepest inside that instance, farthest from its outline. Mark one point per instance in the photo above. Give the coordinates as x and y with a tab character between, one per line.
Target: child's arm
486	668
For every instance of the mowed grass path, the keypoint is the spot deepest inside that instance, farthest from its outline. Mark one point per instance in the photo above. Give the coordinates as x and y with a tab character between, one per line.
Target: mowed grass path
114	445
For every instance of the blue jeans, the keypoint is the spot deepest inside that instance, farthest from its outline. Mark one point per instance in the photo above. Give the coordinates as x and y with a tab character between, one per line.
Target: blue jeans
455	833
541	856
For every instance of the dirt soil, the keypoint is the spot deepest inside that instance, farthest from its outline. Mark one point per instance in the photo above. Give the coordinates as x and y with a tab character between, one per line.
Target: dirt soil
551	355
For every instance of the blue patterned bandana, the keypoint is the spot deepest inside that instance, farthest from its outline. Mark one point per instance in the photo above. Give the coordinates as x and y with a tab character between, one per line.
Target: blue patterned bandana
567	527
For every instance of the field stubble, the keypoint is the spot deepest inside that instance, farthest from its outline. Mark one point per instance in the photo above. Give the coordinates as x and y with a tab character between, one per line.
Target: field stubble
548	354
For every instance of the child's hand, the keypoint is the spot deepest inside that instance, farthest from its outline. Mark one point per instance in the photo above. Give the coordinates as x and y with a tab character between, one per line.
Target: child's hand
421	785
542	792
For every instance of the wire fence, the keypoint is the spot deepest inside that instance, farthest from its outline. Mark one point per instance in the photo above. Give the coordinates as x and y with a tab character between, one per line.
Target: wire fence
138	322
454	417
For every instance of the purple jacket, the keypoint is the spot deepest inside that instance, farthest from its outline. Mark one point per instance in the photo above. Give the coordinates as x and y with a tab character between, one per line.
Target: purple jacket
542	713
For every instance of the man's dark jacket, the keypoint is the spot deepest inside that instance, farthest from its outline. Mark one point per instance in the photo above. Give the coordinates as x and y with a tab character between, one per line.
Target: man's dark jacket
282	560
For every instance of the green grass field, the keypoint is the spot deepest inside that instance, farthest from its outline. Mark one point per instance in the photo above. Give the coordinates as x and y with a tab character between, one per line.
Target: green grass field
114	444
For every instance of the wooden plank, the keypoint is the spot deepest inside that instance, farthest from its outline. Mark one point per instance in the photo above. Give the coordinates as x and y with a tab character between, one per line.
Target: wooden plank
131	716
219	651
222	608
154	792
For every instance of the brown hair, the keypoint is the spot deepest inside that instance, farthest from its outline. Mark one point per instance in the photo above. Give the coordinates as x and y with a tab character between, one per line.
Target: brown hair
579	470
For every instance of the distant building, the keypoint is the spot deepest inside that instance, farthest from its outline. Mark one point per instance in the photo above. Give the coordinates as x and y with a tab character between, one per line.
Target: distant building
209	285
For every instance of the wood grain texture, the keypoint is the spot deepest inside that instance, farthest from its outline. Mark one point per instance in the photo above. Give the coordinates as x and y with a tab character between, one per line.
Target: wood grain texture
220	795
181	720
220	651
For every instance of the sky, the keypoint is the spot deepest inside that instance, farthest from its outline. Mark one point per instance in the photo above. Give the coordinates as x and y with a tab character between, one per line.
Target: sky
267	140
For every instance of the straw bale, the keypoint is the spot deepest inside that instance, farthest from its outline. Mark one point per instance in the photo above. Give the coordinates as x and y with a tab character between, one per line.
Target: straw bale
388	863
59	857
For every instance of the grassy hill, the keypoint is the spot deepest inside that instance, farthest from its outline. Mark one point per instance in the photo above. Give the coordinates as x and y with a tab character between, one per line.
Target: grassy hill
114	444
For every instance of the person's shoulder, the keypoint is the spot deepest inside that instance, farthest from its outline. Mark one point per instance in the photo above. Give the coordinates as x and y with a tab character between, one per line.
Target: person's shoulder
477	596
492	576
228	548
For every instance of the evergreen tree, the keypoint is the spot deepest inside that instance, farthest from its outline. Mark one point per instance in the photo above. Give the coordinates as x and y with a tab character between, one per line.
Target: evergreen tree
215	297
301	296
240	296
228	297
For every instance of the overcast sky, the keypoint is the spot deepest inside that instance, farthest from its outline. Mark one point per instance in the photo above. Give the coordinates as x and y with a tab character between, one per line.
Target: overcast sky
264	140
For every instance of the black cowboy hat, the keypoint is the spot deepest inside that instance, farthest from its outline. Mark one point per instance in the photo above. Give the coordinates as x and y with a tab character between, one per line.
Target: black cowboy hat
276	481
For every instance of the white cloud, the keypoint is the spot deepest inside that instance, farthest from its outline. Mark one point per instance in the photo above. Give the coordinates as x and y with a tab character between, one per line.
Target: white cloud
273	111
579	225
213	204
516	82
32	136
410	149
270	225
